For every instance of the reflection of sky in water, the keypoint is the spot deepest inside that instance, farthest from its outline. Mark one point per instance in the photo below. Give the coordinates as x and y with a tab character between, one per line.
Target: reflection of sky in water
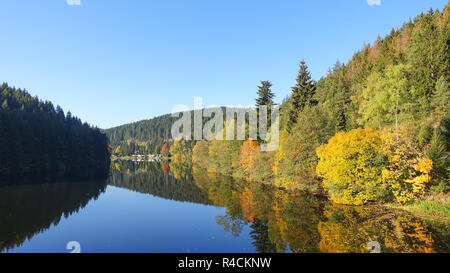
125	221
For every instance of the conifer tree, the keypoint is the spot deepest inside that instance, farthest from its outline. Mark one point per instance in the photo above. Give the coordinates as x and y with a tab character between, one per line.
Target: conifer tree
302	94
265	94
265	98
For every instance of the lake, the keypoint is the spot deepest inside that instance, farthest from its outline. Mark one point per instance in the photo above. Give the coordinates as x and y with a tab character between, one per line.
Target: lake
159	207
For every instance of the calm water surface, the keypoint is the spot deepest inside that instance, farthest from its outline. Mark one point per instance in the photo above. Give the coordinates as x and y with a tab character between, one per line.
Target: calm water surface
150	207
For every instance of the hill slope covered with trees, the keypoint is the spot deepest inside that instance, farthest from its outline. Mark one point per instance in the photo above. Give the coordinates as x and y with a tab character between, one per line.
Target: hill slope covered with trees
143	137
37	138
374	129
146	136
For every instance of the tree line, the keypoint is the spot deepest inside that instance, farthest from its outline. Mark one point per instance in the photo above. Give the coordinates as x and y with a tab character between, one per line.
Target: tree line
147	136
143	137
37	138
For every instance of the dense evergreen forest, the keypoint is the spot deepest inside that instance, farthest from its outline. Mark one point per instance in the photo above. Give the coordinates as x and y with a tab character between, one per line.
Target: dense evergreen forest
146	136
143	137
36	138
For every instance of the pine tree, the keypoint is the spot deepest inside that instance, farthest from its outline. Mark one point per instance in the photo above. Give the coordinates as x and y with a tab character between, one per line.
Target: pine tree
265	98
441	162
265	94
441	97
302	94
36	139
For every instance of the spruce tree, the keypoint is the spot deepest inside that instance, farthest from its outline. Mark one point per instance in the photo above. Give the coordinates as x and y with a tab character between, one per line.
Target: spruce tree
302	94
440	100
265	98
265	94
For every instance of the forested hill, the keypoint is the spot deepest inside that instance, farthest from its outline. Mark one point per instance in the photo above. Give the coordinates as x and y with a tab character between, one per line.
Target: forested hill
150	135
37	138
146	136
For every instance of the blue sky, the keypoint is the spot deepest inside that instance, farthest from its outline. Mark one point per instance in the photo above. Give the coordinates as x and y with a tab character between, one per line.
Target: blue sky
112	62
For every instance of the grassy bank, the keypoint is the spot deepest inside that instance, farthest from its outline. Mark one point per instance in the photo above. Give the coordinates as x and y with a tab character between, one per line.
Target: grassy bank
430	207
433	206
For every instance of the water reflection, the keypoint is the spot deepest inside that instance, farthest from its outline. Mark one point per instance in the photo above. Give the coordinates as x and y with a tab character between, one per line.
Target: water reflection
254	215
157	180
288	221
347	229
33	207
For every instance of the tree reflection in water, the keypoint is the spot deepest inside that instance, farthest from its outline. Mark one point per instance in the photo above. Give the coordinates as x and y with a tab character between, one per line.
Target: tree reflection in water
40	202
283	221
277	220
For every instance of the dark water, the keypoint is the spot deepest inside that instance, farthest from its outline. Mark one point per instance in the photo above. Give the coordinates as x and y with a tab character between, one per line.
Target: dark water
150	207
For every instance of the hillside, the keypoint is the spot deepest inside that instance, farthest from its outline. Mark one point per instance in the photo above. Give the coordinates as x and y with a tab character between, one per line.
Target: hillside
146	136
37	138
375	129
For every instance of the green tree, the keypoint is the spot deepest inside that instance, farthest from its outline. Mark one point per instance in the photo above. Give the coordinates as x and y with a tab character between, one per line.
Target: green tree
302	94
441	163
441	98
265	98
265	94
388	98
36	138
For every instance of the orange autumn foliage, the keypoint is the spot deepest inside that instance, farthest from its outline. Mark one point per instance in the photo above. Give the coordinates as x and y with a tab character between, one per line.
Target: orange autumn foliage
247	157
249	205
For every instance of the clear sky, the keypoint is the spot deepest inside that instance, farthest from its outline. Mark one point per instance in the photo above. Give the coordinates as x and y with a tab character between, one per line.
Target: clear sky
112	62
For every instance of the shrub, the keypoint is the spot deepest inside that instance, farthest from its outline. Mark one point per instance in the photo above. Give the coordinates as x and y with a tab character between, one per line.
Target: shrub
351	164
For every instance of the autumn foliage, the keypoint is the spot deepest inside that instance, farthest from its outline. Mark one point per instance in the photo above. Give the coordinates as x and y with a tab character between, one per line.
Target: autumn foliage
248	155
351	165
371	165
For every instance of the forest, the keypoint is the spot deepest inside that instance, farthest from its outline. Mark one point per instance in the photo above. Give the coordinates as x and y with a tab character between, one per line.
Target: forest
375	129
143	137
150	136
36	138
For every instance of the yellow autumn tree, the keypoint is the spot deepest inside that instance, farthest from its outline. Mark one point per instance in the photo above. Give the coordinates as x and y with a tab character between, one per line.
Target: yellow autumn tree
181	151
408	171
351	164
279	157
200	154
372	165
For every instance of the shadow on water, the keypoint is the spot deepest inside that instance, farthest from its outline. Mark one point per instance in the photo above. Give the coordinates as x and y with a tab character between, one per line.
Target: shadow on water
31	205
